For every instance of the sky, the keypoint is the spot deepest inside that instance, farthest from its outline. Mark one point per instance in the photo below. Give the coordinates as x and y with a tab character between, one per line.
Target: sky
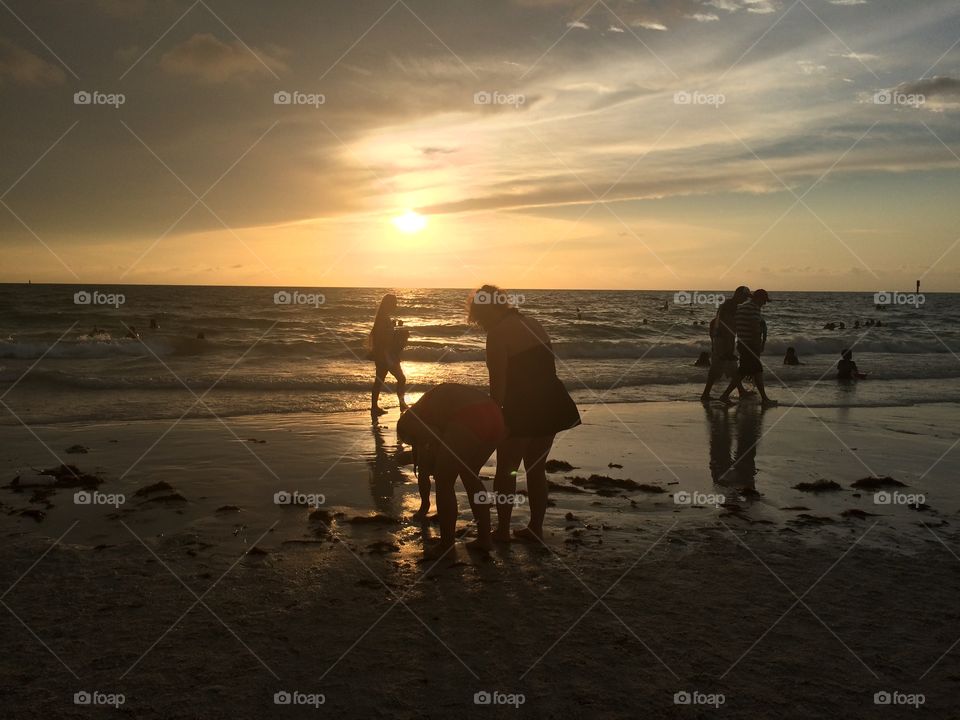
654	144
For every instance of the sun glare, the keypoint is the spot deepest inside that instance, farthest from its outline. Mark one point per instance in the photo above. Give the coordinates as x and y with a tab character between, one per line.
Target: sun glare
410	222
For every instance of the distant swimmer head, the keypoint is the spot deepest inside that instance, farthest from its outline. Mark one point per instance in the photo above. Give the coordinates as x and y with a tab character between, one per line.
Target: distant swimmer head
847	354
791	357
703	360
487	305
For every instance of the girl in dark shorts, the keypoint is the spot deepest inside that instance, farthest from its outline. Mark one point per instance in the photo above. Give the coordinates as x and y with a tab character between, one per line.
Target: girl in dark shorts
385	343
536	405
454	430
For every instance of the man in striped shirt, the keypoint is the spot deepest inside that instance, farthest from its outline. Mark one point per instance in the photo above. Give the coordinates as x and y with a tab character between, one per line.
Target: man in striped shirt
751	337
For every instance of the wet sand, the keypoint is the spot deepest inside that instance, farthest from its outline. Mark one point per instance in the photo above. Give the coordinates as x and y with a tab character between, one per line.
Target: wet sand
787	601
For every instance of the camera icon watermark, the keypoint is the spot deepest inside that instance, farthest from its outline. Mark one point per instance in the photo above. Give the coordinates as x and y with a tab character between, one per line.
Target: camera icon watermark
95	497
295	497
898	498
492	498
694	297
895	697
296	97
496	697
95	697
698	498
295	297
95	97
295	697
695	697
495	97
482	297
894	97
95	297
885	297
696	97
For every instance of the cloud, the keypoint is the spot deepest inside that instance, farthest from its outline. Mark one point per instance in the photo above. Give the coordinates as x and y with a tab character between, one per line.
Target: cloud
703	17
752	6
579	24
650	25
211	60
938	86
847	2
22	67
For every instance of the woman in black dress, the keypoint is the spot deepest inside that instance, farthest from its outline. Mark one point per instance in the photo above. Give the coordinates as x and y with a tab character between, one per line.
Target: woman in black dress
536	406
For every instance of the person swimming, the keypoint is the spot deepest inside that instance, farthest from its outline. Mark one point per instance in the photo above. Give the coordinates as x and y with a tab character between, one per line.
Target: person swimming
453	430
847	369
703	360
791	357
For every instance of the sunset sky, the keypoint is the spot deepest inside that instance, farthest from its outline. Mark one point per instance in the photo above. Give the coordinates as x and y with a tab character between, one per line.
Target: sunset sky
532	143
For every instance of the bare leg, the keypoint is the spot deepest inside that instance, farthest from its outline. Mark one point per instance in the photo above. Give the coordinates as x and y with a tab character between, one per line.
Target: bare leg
397	372
716	369
423	483
375	391
481	511
509	457
446	510
534	462
758	379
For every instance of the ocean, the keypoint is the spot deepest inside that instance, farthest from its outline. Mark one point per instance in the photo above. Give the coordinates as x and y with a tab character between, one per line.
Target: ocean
261	356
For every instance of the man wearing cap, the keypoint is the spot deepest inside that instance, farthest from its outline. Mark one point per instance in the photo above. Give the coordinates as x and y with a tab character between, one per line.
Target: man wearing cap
751	337
723	332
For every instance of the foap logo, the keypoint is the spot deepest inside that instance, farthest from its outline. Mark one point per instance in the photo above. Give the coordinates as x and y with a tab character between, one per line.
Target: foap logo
295	697
696	97
898	498
95	297
296	97
295	297
893	97
898	298
492	498
499	298
95	97
695	697
496	697
698	498
94	497
298	498
495	97
895	697
95	697
698	298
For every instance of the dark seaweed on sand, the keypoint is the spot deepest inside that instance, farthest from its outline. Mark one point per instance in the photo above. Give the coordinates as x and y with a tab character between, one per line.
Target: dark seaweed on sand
875	483
820	485
555	466
603	484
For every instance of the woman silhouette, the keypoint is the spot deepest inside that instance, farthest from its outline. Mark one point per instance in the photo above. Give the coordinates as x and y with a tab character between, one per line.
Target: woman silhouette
385	343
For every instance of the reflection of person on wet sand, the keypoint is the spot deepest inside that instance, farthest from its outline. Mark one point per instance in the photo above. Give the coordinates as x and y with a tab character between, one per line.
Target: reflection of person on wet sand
738	472
454	430
384	471
536	405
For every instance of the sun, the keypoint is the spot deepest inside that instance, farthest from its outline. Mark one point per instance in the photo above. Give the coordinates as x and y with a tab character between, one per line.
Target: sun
410	222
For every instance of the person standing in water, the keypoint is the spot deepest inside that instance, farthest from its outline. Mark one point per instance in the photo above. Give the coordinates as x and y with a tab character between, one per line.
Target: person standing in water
385	344
723	333
751	338
536	405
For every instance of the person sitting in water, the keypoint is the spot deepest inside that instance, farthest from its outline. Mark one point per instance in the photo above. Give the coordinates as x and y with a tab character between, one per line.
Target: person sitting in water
703	360
830	326
856	324
453	430
132	333
847	369
791	357
879	323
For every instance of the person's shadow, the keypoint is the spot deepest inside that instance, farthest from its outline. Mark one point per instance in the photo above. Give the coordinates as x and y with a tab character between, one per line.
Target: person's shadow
735	470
